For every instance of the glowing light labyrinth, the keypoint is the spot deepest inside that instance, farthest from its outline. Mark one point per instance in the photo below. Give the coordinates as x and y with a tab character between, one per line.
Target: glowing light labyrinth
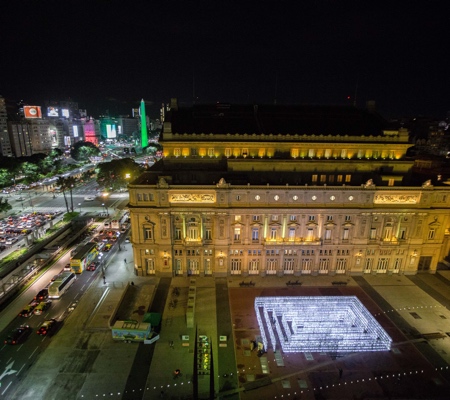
319	324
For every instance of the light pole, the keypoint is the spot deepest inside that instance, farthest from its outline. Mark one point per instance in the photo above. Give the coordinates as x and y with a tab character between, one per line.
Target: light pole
71	198
106	208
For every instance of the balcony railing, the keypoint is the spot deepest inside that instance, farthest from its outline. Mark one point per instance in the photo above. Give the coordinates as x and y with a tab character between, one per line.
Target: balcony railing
296	241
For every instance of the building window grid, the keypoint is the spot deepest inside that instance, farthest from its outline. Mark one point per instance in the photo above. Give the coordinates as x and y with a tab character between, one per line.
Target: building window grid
382	266
271	266
236	265
368	265
255	234
289	265
324	265
148	233
306	266
341	265
253	267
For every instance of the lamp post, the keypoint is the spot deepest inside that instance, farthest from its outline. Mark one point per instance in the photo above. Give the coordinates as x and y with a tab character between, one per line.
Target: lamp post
106	208
105	197
71	198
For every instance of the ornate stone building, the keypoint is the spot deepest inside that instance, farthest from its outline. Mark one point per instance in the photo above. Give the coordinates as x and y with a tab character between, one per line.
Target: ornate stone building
276	190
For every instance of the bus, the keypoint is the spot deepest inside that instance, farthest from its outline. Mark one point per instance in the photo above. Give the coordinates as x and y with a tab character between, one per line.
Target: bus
83	257
63	282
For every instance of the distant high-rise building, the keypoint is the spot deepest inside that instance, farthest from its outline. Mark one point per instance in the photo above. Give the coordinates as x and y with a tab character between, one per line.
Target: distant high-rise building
5	143
21	134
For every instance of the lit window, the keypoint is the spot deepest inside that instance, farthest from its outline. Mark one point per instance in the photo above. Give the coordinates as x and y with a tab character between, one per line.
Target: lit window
255	234
237	233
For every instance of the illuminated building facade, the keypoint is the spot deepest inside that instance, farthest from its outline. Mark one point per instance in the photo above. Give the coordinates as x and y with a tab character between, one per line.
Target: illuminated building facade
285	190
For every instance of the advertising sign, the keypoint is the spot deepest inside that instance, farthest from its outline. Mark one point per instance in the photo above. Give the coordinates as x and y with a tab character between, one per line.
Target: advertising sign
52	112
32	112
65	113
110	131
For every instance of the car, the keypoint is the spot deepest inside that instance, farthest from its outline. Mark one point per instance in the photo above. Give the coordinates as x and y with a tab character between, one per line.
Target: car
93	266
47	327
127	239
11	241
42	295
18	335
67	267
42	306
27	311
108	247
89	198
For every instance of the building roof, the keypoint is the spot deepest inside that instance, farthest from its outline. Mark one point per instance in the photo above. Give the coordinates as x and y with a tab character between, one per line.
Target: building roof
276	119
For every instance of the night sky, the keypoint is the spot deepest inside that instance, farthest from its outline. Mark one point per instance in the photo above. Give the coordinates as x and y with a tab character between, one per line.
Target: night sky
110	54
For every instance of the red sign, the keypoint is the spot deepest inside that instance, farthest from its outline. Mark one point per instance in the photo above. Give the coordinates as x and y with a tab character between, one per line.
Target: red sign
32	112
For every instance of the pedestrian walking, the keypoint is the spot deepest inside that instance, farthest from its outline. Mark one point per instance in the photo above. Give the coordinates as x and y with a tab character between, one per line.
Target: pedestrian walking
125	260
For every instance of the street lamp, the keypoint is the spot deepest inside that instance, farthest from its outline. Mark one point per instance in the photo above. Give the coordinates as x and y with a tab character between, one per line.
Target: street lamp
106	209
71	198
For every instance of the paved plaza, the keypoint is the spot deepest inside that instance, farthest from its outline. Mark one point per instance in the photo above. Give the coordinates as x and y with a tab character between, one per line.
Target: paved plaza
412	310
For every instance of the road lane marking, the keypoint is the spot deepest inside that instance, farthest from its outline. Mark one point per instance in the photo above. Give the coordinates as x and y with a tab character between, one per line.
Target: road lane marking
18	372
31	355
6	388
8	371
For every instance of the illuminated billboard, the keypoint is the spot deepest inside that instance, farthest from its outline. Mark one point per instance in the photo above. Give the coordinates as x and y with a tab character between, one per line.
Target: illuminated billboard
32	112
65	112
75	131
52	112
111	131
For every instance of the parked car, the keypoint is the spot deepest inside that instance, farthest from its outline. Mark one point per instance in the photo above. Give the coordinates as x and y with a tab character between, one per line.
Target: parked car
18	335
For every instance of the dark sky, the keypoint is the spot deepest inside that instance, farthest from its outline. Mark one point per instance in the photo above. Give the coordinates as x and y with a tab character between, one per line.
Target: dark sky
109	54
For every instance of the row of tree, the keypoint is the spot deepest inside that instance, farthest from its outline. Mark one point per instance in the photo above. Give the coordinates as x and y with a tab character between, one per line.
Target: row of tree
38	166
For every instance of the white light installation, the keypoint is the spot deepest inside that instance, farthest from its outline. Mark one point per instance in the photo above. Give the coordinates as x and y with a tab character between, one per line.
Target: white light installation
338	324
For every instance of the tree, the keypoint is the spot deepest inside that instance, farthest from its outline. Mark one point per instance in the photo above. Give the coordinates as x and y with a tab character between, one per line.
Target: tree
117	173
4	205
81	151
31	172
70	184
61	182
